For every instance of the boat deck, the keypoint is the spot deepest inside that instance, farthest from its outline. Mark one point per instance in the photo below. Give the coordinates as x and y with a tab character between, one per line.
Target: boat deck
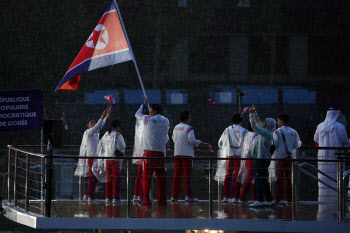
71	214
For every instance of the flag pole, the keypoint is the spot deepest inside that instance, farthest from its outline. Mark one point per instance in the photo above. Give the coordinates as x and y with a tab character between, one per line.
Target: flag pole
133	57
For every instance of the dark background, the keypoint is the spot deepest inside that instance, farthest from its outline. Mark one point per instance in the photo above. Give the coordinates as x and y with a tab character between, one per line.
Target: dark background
186	48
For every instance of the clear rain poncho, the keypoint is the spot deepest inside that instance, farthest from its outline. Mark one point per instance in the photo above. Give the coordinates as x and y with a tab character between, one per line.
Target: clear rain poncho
225	151
106	148
138	149
247	152
88	147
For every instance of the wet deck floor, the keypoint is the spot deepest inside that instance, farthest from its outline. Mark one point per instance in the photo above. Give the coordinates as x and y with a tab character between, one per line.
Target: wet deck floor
306	211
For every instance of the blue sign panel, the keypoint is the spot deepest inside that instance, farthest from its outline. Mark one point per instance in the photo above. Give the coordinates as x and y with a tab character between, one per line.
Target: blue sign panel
98	97
259	95
133	96
222	95
21	109
298	95
176	97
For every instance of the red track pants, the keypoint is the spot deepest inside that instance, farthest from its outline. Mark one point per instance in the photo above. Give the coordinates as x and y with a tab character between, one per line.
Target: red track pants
138	190
232	165
157	166
90	191
183	167
249	164
283	170
113	178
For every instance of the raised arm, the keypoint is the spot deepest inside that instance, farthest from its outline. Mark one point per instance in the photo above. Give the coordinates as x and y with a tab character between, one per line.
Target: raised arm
260	130
99	125
139	114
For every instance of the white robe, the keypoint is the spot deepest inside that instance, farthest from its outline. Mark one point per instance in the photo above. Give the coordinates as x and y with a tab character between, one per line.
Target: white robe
329	134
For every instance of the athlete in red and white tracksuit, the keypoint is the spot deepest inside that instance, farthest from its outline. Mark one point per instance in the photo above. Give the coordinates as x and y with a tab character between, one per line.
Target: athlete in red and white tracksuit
284	150
235	134
184	140
155	137
111	141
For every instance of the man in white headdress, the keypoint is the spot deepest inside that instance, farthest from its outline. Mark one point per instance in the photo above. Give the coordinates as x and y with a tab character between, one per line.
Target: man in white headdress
329	133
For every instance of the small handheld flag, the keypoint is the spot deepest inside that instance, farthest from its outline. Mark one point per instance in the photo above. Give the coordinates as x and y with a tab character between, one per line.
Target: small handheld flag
244	110
107	45
109	99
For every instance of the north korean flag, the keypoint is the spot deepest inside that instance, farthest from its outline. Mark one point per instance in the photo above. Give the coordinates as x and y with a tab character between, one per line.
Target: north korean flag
109	99
107	45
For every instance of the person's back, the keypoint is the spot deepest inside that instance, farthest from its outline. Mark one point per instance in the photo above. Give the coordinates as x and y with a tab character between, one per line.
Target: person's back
286	140
183	143
291	141
235	134
184	140
155	137
249	144
231	143
155	133
329	134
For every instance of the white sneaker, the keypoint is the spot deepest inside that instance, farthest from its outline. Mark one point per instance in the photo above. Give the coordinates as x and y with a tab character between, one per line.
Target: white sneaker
173	199
108	202
233	200
257	204
90	200
283	202
117	201
225	200
191	199
85	197
135	199
271	203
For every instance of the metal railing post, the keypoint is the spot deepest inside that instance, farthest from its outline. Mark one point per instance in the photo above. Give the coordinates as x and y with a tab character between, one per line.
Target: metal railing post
48	182
81	191
345	191
15	181
294	193
297	181
210	188
128	186
27	184
9	176
340	190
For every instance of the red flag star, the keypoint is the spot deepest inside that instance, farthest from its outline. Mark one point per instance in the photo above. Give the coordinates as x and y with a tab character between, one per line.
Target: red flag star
96	37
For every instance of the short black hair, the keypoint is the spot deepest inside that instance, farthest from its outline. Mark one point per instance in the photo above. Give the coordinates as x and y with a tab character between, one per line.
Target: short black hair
284	118
88	121
156	107
249	127
236	118
184	116
114	124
